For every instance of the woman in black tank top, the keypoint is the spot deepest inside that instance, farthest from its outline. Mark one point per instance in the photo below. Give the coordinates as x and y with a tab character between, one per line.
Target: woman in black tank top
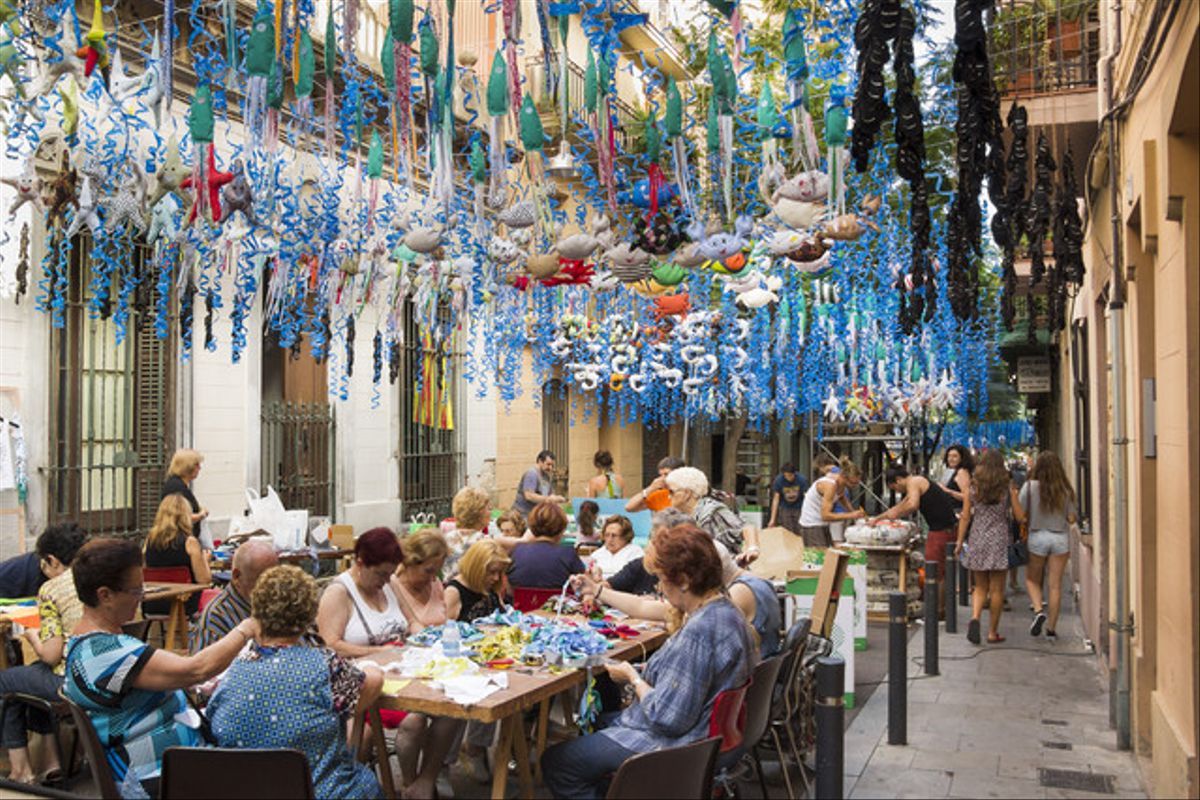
960	463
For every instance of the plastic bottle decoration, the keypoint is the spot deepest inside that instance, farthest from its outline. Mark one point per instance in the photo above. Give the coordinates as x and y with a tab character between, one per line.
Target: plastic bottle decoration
260	57
206	180
164	61
374	173
497	107
330	100
274	105
836	123
724	94
305	70
595	92
400	15
673	128
805	151
771	172
562	12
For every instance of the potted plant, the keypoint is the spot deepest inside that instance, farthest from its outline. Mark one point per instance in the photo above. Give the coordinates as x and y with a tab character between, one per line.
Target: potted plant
1064	24
1017	38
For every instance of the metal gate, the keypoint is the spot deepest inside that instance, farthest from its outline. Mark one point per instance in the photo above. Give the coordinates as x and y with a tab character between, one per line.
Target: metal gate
112	430
297	454
556	431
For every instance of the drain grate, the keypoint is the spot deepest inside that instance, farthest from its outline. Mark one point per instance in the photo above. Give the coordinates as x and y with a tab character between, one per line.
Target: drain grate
1060	722
1057	745
1074	780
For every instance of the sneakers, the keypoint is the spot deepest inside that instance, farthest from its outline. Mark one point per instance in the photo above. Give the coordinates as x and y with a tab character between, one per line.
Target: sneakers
1051	636
1039	620
973	632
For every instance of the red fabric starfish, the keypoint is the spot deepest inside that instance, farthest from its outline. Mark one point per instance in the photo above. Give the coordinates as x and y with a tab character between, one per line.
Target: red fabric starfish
212	179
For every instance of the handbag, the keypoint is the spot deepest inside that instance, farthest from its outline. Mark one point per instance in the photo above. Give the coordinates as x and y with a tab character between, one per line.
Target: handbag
1018	554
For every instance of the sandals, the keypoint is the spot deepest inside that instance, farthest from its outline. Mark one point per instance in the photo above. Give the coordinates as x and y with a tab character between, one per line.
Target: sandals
995	638
973	631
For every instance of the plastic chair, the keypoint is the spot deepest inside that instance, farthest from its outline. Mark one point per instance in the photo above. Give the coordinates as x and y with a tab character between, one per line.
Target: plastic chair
758	708
101	773
207	596
200	773
728	719
167	574
529	598
785	702
684	771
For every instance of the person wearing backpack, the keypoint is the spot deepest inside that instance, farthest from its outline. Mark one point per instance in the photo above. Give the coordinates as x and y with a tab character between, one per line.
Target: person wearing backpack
689	491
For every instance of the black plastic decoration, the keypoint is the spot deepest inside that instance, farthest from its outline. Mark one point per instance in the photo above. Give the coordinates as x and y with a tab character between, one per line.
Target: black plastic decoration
1068	227
209	342
393	361
878	22
909	134
349	346
978	151
23	263
377	358
187	302
1039	208
1016	206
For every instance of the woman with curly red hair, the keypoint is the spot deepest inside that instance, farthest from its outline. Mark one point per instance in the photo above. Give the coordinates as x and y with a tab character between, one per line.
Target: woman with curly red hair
711	650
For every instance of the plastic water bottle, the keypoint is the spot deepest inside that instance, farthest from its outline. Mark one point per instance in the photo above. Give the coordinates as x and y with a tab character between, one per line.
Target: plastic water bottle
451	640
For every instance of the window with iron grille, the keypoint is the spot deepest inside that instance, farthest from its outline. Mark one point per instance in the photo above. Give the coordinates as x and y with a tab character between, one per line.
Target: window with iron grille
556	431
1080	375
111	432
431	457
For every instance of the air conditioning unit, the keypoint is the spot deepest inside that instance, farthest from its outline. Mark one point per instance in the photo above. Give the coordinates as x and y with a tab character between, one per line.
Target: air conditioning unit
1103	85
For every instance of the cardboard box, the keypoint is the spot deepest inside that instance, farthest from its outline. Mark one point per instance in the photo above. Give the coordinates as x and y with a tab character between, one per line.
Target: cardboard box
802	590
856	569
342	536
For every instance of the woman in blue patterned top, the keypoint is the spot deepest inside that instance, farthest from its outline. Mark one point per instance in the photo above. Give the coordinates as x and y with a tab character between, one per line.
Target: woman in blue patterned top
131	691
281	693
711	650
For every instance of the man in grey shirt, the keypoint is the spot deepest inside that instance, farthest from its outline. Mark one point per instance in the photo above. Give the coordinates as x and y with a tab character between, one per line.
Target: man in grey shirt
536	485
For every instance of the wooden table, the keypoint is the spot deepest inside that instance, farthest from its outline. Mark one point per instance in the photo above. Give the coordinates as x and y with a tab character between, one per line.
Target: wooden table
178	593
527	687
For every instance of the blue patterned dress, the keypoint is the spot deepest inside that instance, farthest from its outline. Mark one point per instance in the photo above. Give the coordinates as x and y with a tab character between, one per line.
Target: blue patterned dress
296	697
134	725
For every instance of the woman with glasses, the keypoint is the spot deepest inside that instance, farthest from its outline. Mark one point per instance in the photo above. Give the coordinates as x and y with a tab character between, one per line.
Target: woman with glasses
711	649
132	692
689	493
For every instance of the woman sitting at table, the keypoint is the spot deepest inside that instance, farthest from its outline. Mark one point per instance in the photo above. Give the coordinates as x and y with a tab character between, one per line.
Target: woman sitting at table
711	650
472	513
359	613
478	588
422	599
281	693
132	692
618	549
545	562
171	544
58	611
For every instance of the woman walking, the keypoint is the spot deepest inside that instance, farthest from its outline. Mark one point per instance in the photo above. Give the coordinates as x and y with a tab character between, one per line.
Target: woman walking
986	510
1050	501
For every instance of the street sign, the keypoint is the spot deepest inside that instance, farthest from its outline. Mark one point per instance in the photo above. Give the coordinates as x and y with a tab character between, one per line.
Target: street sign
1033	374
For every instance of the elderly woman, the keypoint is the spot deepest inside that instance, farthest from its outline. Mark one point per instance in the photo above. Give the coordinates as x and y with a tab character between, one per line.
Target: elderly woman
472	509
633	578
170	544
59	610
282	693
618	549
359	613
477	590
544	563
181	474
511	524
710	651
689	493
132	692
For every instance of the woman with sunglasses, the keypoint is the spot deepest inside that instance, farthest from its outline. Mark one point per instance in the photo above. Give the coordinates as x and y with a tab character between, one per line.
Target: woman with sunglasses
132	692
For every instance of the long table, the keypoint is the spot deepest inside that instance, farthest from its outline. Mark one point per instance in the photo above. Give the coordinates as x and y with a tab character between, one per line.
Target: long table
527	687
294	557
178	594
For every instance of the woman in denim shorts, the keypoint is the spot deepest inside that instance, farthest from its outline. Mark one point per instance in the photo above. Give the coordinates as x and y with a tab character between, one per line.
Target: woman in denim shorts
1049	501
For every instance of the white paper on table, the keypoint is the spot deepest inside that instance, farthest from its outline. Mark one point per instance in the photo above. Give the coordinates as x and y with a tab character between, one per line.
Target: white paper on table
470	689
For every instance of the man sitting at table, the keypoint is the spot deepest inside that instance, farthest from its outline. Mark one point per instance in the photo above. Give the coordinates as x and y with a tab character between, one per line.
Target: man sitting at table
232	605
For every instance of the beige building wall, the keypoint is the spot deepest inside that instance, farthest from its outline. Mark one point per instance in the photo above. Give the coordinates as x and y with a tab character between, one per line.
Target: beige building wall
1159	204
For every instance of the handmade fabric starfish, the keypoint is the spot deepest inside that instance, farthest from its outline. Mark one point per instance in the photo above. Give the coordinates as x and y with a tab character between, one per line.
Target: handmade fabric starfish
237	194
62	192
164	222
29	189
210	193
69	64
170	175
125	207
88	212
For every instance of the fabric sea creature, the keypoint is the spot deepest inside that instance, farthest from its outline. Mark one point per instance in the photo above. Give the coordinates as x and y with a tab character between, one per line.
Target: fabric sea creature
94	52
207	189
237	194
837	121
28	187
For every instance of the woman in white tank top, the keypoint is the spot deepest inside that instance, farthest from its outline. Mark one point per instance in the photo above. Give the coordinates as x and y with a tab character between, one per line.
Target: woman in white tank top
359	613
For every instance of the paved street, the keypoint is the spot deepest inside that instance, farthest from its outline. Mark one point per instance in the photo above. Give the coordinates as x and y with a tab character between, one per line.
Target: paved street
997	722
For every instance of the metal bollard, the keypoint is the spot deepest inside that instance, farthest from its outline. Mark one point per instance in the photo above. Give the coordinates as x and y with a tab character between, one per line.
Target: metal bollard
964	586
897	669
830	714
931	618
951	589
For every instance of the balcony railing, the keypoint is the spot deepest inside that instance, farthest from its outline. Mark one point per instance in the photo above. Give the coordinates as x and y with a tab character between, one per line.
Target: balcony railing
1040	47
